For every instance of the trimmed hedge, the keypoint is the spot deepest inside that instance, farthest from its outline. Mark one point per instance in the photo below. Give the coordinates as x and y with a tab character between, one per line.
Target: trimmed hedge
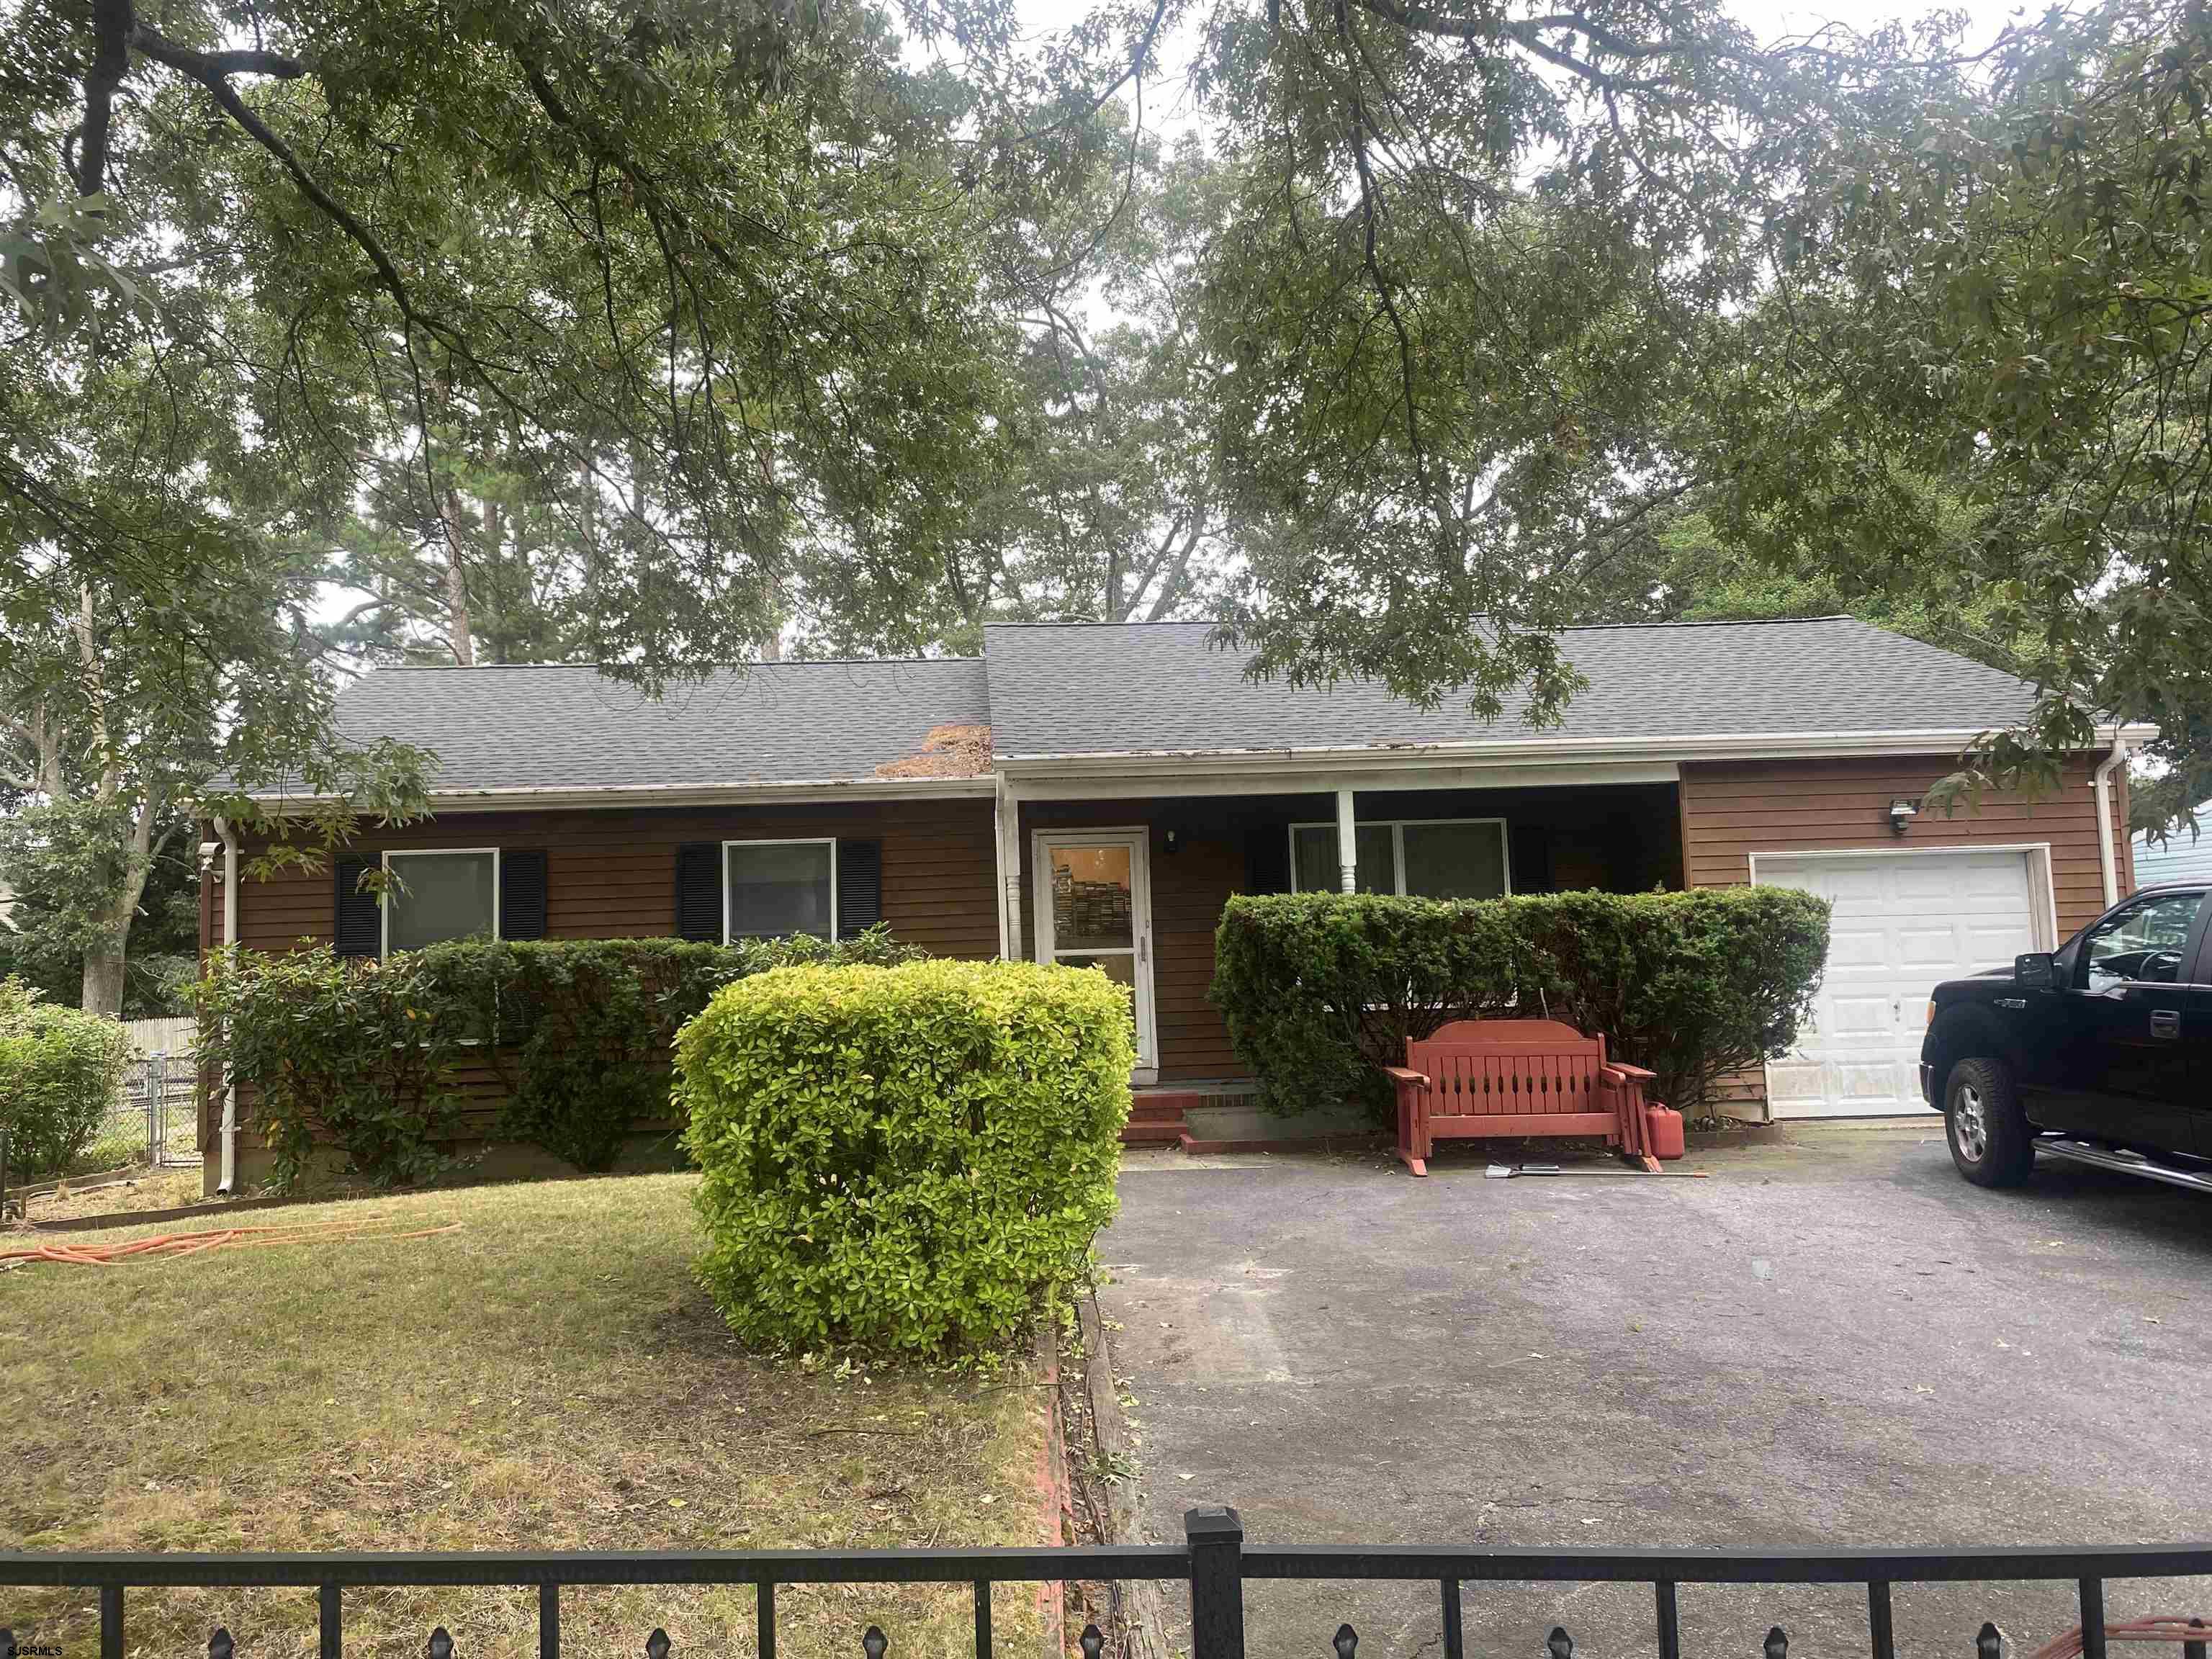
904	1157
61	1070
367	1055
1319	989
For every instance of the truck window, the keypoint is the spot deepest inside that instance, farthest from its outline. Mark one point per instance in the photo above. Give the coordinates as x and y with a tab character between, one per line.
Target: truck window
2141	945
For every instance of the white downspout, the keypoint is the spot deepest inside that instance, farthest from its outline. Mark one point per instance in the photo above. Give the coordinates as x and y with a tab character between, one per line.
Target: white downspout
229	1139
2108	863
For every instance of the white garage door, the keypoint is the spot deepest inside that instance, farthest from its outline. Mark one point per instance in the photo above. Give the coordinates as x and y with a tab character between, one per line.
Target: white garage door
1902	921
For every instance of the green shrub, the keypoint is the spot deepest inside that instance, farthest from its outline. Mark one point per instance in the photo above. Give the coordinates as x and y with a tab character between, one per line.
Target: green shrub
61	1071
1319	989
369	1057
585	1027
358	1054
908	1156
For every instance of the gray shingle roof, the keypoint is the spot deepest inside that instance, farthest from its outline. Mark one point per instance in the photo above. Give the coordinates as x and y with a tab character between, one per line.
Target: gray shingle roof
569	727
1160	687
1148	687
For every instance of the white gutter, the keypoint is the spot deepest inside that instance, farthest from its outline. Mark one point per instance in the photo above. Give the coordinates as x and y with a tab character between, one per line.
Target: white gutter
2101	780
808	791
230	1134
1744	745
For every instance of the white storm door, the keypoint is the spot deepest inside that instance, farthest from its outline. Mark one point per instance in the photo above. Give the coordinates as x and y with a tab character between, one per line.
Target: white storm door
1094	909
1902	921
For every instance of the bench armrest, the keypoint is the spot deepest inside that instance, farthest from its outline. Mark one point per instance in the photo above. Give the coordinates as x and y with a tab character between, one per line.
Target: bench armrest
1629	1073
1403	1077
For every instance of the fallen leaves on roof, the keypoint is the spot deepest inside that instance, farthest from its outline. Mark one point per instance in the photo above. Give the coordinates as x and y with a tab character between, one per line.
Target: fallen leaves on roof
948	752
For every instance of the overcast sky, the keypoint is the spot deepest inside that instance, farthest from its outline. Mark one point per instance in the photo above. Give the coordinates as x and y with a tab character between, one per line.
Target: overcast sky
1166	109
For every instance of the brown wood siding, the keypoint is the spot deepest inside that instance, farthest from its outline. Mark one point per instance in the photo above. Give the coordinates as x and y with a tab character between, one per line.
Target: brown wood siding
611	874
1731	810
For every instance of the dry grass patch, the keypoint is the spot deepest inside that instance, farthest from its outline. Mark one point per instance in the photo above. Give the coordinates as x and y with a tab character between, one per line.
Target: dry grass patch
141	1190
548	1376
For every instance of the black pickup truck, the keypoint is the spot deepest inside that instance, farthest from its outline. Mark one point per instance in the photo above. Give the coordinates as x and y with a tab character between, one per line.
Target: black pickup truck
2100	1052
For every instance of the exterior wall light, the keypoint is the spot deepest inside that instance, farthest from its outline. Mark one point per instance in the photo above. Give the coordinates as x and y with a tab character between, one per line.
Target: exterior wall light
1901	814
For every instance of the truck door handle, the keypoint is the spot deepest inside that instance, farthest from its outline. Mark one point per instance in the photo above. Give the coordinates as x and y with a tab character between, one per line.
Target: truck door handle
2166	1022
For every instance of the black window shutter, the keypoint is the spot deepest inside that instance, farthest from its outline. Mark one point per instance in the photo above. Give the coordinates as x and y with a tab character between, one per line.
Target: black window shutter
1267	858
522	892
699	892
358	929
1532	859
859	887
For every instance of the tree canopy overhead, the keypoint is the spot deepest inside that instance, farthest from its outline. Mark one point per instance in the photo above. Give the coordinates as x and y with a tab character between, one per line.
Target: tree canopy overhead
664	332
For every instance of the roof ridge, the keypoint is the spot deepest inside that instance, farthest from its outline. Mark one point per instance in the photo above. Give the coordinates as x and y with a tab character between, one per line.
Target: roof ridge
596	667
1726	621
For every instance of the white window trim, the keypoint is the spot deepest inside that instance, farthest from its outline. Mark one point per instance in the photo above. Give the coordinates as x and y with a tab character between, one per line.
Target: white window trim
1397	827
829	841
383	899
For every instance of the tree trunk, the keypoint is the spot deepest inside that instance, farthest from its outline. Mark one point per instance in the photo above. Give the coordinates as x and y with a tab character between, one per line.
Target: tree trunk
102	988
458	626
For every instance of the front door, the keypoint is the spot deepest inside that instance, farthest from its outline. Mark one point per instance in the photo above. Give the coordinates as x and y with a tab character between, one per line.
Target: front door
1094	909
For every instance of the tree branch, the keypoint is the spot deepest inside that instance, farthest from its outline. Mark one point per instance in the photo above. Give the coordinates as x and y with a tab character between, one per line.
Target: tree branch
111	62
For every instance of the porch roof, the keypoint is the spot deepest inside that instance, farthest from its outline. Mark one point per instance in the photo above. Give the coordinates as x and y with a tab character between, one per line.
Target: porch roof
1064	691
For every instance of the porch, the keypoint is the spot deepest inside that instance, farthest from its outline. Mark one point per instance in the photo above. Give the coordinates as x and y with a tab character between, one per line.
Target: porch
1135	884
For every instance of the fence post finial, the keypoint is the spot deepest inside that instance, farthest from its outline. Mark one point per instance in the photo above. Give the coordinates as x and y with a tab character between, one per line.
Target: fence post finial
1216	1537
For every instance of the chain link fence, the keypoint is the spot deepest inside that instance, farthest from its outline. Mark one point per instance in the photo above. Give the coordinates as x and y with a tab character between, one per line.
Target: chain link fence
154	1119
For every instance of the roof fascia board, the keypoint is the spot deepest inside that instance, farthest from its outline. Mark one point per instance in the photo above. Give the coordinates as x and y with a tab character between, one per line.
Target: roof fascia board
1314	780
809	792
1526	752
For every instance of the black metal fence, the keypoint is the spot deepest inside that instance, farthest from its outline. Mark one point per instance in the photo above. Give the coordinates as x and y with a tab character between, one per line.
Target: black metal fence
1211	1560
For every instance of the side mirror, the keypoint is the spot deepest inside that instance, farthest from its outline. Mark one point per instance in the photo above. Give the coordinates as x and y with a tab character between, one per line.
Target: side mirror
2034	969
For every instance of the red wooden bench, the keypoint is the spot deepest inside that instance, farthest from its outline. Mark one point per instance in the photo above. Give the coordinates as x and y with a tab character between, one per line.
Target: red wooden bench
1481	1078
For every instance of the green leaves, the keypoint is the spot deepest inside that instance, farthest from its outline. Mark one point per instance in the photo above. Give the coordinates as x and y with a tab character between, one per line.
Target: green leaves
906	1156
378	1057
1319	990
61	1072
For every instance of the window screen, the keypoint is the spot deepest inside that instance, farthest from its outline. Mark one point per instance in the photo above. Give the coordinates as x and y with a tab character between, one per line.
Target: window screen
439	896
780	888
1316	870
1456	860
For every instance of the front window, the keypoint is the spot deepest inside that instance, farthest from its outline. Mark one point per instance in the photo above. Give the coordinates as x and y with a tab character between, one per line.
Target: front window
430	897
777	888
1421	858
2139	945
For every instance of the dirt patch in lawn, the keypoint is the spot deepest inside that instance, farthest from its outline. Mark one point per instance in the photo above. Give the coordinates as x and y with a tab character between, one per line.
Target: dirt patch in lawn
547	1377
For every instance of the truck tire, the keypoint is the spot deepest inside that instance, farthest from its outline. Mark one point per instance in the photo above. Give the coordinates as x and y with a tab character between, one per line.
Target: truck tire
1991	1141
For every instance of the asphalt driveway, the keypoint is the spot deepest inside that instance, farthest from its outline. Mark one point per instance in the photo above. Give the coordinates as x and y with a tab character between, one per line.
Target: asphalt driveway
1833	1342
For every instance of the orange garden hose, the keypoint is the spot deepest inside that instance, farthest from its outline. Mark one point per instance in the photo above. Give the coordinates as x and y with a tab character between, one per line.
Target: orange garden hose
2160	1628
166	1246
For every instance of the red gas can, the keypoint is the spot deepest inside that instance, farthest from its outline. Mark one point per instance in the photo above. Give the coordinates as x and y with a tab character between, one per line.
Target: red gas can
1662	1131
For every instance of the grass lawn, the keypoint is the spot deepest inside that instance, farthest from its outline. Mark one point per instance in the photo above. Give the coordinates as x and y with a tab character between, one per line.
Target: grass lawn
548	1376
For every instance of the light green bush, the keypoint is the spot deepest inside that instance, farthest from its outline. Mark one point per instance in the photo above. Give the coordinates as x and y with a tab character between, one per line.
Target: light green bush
61	1071
907	1157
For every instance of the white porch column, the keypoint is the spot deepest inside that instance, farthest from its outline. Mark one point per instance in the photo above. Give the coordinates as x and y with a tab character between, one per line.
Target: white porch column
1347	844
